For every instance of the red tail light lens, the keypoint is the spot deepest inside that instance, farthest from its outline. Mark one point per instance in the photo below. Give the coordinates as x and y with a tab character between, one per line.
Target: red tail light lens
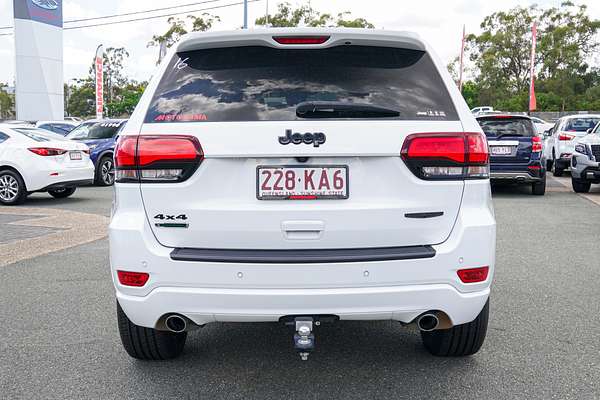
462	155
47	151
473	275
300	39
565	136
156	159
137	279
536	144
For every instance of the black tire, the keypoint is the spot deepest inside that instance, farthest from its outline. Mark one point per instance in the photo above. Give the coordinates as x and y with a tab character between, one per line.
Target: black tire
105	171
62	193
146	343
581	186
539	188
460	340
556	169
12	188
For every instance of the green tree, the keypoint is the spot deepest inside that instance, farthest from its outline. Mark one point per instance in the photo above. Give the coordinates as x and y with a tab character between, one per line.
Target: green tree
305	15
567	38
7	103
178	28
81	98
128	97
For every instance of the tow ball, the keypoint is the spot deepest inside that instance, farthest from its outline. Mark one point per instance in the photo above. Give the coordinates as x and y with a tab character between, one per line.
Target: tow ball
304	339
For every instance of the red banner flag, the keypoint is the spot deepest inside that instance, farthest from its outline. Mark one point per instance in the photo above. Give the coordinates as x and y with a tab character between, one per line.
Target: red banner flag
99	72
532	99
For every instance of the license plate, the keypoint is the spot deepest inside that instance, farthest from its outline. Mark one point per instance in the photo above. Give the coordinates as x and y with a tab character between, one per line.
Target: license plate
302	183
75	155
501	150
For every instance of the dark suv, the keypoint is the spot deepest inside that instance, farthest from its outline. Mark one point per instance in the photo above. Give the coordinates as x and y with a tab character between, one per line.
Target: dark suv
515	150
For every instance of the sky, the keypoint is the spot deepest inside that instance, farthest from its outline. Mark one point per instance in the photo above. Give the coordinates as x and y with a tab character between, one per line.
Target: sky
437	21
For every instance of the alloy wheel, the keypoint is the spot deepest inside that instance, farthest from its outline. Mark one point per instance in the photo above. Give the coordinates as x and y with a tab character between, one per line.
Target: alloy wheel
9	188
108	172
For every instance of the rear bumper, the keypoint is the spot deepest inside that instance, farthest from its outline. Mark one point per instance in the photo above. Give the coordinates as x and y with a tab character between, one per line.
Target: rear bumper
44	180
205	305
523	177
253	291
68	184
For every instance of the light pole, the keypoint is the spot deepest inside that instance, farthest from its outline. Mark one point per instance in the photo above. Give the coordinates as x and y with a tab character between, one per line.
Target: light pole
245	14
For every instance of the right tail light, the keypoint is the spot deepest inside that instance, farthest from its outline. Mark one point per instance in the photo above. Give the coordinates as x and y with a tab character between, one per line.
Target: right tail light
536	144
565	136
447	156
157	159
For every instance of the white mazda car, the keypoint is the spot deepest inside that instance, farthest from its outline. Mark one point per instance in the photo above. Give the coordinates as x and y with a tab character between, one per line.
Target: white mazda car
303	176
35	160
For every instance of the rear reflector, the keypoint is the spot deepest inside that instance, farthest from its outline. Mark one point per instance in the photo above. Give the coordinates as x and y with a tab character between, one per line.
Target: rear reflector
156	159
47	151
459	155
137	279
473	275
300	39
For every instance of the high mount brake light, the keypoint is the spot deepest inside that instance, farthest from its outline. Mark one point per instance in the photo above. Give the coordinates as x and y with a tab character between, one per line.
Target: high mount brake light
447	156
300	39
157	159
47	151
536	144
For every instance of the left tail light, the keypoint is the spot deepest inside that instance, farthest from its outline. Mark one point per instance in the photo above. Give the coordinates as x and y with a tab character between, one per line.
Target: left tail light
157	159
47	151
447	156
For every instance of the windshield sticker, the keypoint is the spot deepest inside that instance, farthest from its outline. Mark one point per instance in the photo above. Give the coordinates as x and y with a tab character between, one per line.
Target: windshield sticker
431	113
180	117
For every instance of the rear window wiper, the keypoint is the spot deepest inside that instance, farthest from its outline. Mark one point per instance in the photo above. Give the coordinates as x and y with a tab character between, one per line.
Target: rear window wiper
332	109
509	134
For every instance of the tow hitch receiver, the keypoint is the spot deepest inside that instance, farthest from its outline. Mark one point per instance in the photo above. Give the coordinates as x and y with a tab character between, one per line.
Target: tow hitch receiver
304	339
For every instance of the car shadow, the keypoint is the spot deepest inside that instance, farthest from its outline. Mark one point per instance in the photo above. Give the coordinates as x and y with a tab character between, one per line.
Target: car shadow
380	359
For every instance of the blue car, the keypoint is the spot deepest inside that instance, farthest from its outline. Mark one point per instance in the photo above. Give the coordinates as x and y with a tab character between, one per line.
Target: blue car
101	137
516	154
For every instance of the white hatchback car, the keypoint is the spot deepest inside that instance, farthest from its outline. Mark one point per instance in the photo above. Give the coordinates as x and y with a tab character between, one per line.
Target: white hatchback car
36	160
302	176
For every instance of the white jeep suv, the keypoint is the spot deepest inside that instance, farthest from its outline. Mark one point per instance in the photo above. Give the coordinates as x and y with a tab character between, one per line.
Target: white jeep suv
303	176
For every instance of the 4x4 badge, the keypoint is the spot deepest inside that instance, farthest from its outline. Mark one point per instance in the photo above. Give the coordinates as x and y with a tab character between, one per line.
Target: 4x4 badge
316	138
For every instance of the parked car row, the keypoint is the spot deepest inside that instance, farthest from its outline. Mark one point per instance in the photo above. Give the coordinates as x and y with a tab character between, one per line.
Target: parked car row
520	154
45	158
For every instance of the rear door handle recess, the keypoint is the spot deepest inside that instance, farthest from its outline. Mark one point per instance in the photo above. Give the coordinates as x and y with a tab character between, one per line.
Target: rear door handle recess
302	230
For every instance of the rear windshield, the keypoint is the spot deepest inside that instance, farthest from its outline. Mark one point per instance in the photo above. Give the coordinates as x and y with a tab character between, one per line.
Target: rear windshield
581	124
39	135
100	130
266	84
507	126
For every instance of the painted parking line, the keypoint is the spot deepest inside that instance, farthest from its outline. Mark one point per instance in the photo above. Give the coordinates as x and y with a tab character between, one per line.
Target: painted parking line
62	229
594	197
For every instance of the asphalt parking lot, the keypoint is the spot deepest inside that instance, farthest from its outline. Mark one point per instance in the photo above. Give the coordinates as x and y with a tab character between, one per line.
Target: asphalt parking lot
60	340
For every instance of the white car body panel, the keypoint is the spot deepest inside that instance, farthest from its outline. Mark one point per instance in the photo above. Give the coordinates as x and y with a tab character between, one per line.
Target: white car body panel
40	172
220	202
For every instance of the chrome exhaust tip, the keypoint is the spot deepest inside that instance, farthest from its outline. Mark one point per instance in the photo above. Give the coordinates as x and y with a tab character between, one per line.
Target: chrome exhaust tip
175	323
428	322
